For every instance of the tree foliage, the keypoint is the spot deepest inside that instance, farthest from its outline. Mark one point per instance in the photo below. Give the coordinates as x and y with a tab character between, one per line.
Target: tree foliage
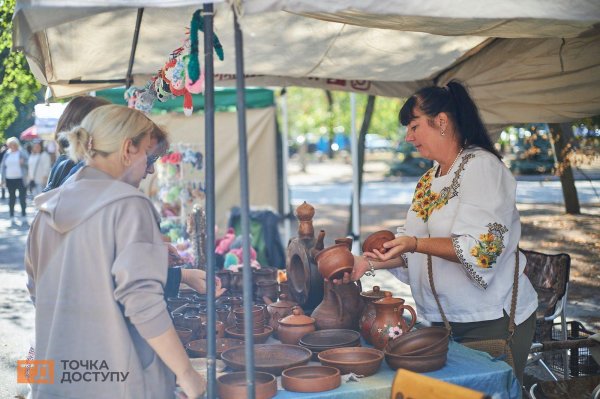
308	113
17	84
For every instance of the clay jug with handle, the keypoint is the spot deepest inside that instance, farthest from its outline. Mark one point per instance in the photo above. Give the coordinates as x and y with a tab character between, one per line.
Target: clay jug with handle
368	314
389	323
330	312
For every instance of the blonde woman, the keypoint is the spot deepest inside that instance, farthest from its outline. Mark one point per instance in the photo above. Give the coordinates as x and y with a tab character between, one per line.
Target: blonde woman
96	266
14	173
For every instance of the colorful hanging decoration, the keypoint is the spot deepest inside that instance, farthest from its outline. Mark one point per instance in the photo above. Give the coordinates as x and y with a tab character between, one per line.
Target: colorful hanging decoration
180	76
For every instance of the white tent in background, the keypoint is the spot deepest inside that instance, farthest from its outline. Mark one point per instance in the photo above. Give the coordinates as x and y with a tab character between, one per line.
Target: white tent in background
523	60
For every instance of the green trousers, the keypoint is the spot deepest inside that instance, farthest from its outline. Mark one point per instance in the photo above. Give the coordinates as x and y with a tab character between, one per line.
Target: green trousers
498	329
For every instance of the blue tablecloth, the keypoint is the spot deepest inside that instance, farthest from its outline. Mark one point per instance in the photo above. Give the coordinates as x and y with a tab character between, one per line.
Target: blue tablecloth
465	367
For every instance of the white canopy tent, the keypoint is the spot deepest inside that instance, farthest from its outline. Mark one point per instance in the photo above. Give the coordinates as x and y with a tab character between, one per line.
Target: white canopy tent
524	61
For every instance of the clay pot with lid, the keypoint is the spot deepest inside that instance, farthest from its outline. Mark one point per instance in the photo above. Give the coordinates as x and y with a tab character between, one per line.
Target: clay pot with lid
368	315
376	241
295	326
334	261
389	323
279	310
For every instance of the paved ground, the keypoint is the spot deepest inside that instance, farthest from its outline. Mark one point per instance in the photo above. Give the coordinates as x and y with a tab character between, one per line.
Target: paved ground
16	312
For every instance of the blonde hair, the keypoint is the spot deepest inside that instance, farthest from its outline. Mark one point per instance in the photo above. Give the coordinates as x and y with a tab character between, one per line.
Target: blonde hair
104	130
13	140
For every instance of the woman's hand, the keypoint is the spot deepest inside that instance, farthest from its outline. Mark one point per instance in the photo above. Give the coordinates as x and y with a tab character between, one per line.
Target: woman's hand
196	280
192	383
361	265
397	247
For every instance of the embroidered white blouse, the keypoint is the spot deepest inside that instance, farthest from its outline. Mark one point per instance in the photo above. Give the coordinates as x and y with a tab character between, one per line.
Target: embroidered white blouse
474	204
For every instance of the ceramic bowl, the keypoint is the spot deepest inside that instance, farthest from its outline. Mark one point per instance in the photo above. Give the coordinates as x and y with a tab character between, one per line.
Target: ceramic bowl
233	385
417	363
363	361
259	338
311	378
376	240
330	338
424	341
334	261
199	347
269	358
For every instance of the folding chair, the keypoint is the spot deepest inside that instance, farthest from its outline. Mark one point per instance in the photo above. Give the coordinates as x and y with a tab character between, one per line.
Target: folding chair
549	275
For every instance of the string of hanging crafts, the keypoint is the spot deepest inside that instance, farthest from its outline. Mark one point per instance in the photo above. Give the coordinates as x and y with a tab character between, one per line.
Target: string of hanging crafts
180	76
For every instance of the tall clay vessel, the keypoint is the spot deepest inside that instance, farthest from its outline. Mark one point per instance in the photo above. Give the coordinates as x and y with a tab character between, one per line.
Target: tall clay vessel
368	314
389	323
330	313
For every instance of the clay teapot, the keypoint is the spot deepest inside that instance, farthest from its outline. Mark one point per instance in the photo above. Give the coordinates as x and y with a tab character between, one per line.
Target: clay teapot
295	326
334	261
368	314
278	310
330	313
389	323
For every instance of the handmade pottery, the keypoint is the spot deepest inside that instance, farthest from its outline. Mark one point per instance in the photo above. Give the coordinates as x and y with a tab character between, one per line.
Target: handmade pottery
417	363
271	358
225	276
304	280
376	240
295	326
345	240
278	310
424	341
368	314
234	385
267	288
311	378
334	261
363	361
330	312
389	323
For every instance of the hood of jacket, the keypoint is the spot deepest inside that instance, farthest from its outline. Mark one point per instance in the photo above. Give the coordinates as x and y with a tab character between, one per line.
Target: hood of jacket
81	196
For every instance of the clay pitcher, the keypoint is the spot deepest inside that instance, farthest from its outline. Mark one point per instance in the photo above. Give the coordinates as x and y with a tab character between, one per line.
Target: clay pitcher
353	304
389	323
330	313
368	314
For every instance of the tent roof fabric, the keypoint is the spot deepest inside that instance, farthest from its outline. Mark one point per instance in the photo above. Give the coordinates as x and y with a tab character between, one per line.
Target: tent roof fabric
524	61
224	98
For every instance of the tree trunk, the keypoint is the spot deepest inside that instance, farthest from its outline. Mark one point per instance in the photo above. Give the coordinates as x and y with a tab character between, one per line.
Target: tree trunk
369	109
329	96
562	137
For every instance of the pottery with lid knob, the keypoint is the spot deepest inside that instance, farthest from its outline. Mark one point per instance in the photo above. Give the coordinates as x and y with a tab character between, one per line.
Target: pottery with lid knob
368	315
389	323
279	309
295	326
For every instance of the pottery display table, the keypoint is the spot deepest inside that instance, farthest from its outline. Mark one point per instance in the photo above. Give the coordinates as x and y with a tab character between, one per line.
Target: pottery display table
465	367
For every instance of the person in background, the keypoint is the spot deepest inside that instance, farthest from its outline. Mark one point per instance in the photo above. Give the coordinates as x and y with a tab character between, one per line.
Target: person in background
14	173
463	223
39	168
95	262
72	116
3	150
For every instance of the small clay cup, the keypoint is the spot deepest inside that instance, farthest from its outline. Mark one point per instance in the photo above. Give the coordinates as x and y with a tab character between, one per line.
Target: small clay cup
376	241
219	326
259	338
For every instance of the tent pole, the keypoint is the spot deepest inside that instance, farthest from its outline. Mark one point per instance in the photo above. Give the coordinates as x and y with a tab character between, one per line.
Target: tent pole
245	207
285	157
355	173
209	140
136	35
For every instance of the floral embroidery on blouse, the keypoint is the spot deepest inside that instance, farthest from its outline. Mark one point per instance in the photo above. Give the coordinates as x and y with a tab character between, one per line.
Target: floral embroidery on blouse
490	245
425	201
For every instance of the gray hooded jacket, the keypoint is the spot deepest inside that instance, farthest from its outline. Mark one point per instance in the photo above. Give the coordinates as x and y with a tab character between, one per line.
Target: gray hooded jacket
96	269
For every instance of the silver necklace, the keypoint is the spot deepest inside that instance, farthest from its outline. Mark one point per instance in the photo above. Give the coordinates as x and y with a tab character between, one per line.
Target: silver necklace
451	166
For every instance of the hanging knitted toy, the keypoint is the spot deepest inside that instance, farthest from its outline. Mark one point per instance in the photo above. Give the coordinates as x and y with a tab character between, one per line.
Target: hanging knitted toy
197	24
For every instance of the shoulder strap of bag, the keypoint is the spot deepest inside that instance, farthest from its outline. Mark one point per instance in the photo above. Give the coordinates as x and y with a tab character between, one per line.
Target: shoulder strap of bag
513	303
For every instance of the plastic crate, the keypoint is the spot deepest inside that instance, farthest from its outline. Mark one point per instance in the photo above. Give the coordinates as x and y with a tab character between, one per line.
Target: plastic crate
581	361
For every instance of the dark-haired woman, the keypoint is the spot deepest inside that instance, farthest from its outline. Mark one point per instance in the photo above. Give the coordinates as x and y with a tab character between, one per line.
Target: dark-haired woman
464	216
